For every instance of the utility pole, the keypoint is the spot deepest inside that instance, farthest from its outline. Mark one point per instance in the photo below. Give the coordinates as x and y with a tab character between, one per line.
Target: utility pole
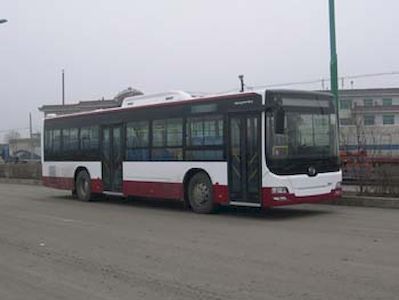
334	58
30	135
30	125
63	87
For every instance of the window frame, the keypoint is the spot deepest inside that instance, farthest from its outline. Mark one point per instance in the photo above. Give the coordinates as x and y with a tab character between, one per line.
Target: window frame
391	117
348	104
368	102
368	116
347	121
385	100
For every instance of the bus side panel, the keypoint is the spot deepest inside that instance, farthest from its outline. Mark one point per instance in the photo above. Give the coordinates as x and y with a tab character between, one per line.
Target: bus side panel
165	179
61	174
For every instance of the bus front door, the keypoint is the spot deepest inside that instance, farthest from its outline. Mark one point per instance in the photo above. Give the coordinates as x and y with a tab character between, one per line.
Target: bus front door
112	157
244	164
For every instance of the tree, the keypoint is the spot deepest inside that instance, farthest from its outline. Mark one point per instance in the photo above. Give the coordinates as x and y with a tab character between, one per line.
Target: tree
356	134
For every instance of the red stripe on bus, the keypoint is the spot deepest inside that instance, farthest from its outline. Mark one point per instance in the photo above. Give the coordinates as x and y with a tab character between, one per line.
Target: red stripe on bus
97	185
267	198
66	183
63	183
166	190
220	194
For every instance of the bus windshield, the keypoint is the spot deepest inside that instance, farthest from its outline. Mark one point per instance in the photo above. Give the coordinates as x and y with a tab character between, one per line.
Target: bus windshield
309	137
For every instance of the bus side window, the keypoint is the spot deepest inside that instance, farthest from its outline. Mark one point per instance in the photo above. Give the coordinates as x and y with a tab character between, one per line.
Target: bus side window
89	139
205	131
56	141
205	137
137	141
167	139
70	142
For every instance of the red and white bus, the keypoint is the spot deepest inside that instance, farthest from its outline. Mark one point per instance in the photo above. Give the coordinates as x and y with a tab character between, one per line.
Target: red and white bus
258	149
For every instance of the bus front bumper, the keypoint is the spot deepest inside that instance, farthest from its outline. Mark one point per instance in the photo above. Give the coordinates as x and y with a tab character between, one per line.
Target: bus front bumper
271	200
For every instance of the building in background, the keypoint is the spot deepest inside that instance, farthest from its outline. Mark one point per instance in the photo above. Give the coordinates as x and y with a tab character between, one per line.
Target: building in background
369	121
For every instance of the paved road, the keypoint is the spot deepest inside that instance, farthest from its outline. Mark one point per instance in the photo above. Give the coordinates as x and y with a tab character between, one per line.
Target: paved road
55	247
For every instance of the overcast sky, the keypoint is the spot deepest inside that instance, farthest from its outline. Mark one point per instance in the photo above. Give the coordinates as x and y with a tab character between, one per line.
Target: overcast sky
196	45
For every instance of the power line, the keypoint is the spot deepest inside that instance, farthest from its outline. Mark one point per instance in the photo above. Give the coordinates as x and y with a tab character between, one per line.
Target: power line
372	75
318	81
287	84
327	79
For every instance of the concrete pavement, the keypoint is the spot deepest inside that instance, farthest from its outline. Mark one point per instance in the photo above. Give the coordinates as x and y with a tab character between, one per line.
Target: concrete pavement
55	247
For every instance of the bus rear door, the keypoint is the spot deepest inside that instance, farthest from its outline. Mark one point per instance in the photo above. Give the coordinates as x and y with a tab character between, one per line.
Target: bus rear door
112	157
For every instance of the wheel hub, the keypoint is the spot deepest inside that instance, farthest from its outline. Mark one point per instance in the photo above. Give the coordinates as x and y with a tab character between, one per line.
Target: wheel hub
201	193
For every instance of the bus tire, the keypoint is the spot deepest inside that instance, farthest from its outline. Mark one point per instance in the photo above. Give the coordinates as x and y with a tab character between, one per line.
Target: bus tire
200	194
83	186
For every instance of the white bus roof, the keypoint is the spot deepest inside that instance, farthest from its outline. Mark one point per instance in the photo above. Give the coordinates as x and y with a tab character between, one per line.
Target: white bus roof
151	99
177	96
156	99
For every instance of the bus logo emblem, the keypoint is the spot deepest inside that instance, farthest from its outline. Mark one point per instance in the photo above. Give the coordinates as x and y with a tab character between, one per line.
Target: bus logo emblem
312	171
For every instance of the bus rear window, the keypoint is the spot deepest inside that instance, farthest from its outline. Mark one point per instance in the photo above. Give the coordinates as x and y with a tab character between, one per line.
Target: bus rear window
52	142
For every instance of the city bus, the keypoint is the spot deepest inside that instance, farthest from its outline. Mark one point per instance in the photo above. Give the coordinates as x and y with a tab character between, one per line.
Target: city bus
257	149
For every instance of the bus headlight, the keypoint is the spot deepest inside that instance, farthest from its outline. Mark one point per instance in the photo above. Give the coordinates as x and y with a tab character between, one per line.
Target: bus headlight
279	193
338	189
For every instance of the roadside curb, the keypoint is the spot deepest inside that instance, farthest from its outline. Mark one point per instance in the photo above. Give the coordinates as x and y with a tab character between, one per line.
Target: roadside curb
21	181
367	201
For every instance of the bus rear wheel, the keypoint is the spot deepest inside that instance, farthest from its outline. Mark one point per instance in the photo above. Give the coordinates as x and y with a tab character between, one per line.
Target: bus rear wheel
200	194
83	186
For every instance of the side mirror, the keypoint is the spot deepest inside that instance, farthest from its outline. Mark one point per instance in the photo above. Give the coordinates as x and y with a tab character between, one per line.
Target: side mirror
279	121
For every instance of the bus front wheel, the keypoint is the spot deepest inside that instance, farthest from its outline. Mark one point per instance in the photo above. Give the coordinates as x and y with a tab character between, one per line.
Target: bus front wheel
83	186
200	194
